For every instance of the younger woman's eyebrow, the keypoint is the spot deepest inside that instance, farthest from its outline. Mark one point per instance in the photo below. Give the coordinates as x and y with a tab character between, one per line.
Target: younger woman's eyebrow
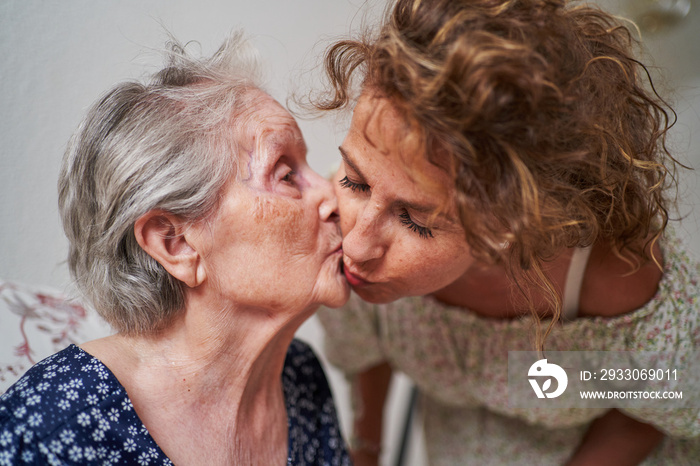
417	207
349	162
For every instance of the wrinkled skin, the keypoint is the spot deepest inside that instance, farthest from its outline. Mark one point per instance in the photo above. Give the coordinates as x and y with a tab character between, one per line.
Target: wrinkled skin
274	243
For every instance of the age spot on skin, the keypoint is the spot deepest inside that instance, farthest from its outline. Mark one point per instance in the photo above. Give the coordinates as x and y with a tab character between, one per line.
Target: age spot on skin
284	217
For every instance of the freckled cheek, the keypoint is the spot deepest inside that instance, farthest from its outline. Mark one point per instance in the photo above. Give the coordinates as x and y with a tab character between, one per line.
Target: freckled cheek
427	261
447	264
285	221
402	254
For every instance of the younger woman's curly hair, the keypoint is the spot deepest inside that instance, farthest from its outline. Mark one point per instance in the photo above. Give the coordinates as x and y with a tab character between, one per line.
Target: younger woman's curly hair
551	128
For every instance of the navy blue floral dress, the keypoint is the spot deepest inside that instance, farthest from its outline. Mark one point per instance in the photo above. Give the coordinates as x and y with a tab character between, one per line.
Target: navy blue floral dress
70	409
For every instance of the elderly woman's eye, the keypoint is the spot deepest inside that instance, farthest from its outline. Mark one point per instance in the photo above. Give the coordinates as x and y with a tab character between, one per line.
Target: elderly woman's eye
289	177
286	179
346	183
285	172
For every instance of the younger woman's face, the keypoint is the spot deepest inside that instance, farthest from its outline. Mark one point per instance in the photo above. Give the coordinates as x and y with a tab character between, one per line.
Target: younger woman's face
387	192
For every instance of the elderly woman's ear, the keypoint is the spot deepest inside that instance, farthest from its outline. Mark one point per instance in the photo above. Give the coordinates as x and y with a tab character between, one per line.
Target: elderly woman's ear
165	238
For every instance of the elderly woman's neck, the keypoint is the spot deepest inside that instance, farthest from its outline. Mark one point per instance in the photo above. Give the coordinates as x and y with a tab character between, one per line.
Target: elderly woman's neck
233	348
222	373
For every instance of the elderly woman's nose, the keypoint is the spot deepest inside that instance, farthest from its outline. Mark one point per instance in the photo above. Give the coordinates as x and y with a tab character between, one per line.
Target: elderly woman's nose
328	209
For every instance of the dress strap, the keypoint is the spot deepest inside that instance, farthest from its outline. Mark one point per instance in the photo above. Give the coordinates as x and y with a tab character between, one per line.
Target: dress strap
574	280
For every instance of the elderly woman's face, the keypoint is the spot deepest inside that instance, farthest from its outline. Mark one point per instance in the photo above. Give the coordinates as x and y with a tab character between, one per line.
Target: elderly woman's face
275	241
387	191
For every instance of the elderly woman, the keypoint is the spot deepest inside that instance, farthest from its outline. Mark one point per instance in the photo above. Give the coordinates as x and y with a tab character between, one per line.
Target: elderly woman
199	232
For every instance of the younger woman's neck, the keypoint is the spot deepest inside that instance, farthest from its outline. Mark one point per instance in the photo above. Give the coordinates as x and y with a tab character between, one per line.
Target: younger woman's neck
490	291
484	289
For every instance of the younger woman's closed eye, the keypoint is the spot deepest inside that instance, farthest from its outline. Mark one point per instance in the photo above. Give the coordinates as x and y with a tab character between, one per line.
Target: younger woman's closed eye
406	220
346	183
422	231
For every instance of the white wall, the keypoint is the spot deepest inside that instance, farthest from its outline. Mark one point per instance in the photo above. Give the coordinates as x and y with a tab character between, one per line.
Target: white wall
58	57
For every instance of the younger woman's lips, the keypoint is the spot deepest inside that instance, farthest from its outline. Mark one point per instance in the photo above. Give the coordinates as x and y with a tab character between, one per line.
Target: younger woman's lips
353	279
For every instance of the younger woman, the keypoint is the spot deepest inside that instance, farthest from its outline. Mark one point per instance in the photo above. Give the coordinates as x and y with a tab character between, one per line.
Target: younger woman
504	188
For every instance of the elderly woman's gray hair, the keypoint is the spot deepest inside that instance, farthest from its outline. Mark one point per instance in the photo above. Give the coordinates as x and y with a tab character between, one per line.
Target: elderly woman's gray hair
162	145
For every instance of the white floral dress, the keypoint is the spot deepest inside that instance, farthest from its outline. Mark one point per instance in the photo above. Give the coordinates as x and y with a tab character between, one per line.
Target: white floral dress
69	409
459	362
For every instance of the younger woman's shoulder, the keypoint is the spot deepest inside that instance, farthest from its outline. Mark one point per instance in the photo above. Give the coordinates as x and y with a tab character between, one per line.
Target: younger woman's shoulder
612	287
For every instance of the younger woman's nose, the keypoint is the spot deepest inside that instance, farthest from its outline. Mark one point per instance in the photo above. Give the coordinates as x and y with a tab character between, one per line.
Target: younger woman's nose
363	241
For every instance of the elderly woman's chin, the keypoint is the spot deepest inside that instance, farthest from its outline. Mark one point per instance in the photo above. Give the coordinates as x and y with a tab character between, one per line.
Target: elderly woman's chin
335	287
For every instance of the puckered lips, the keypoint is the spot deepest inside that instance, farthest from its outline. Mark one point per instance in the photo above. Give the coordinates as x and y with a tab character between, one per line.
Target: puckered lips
355	280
